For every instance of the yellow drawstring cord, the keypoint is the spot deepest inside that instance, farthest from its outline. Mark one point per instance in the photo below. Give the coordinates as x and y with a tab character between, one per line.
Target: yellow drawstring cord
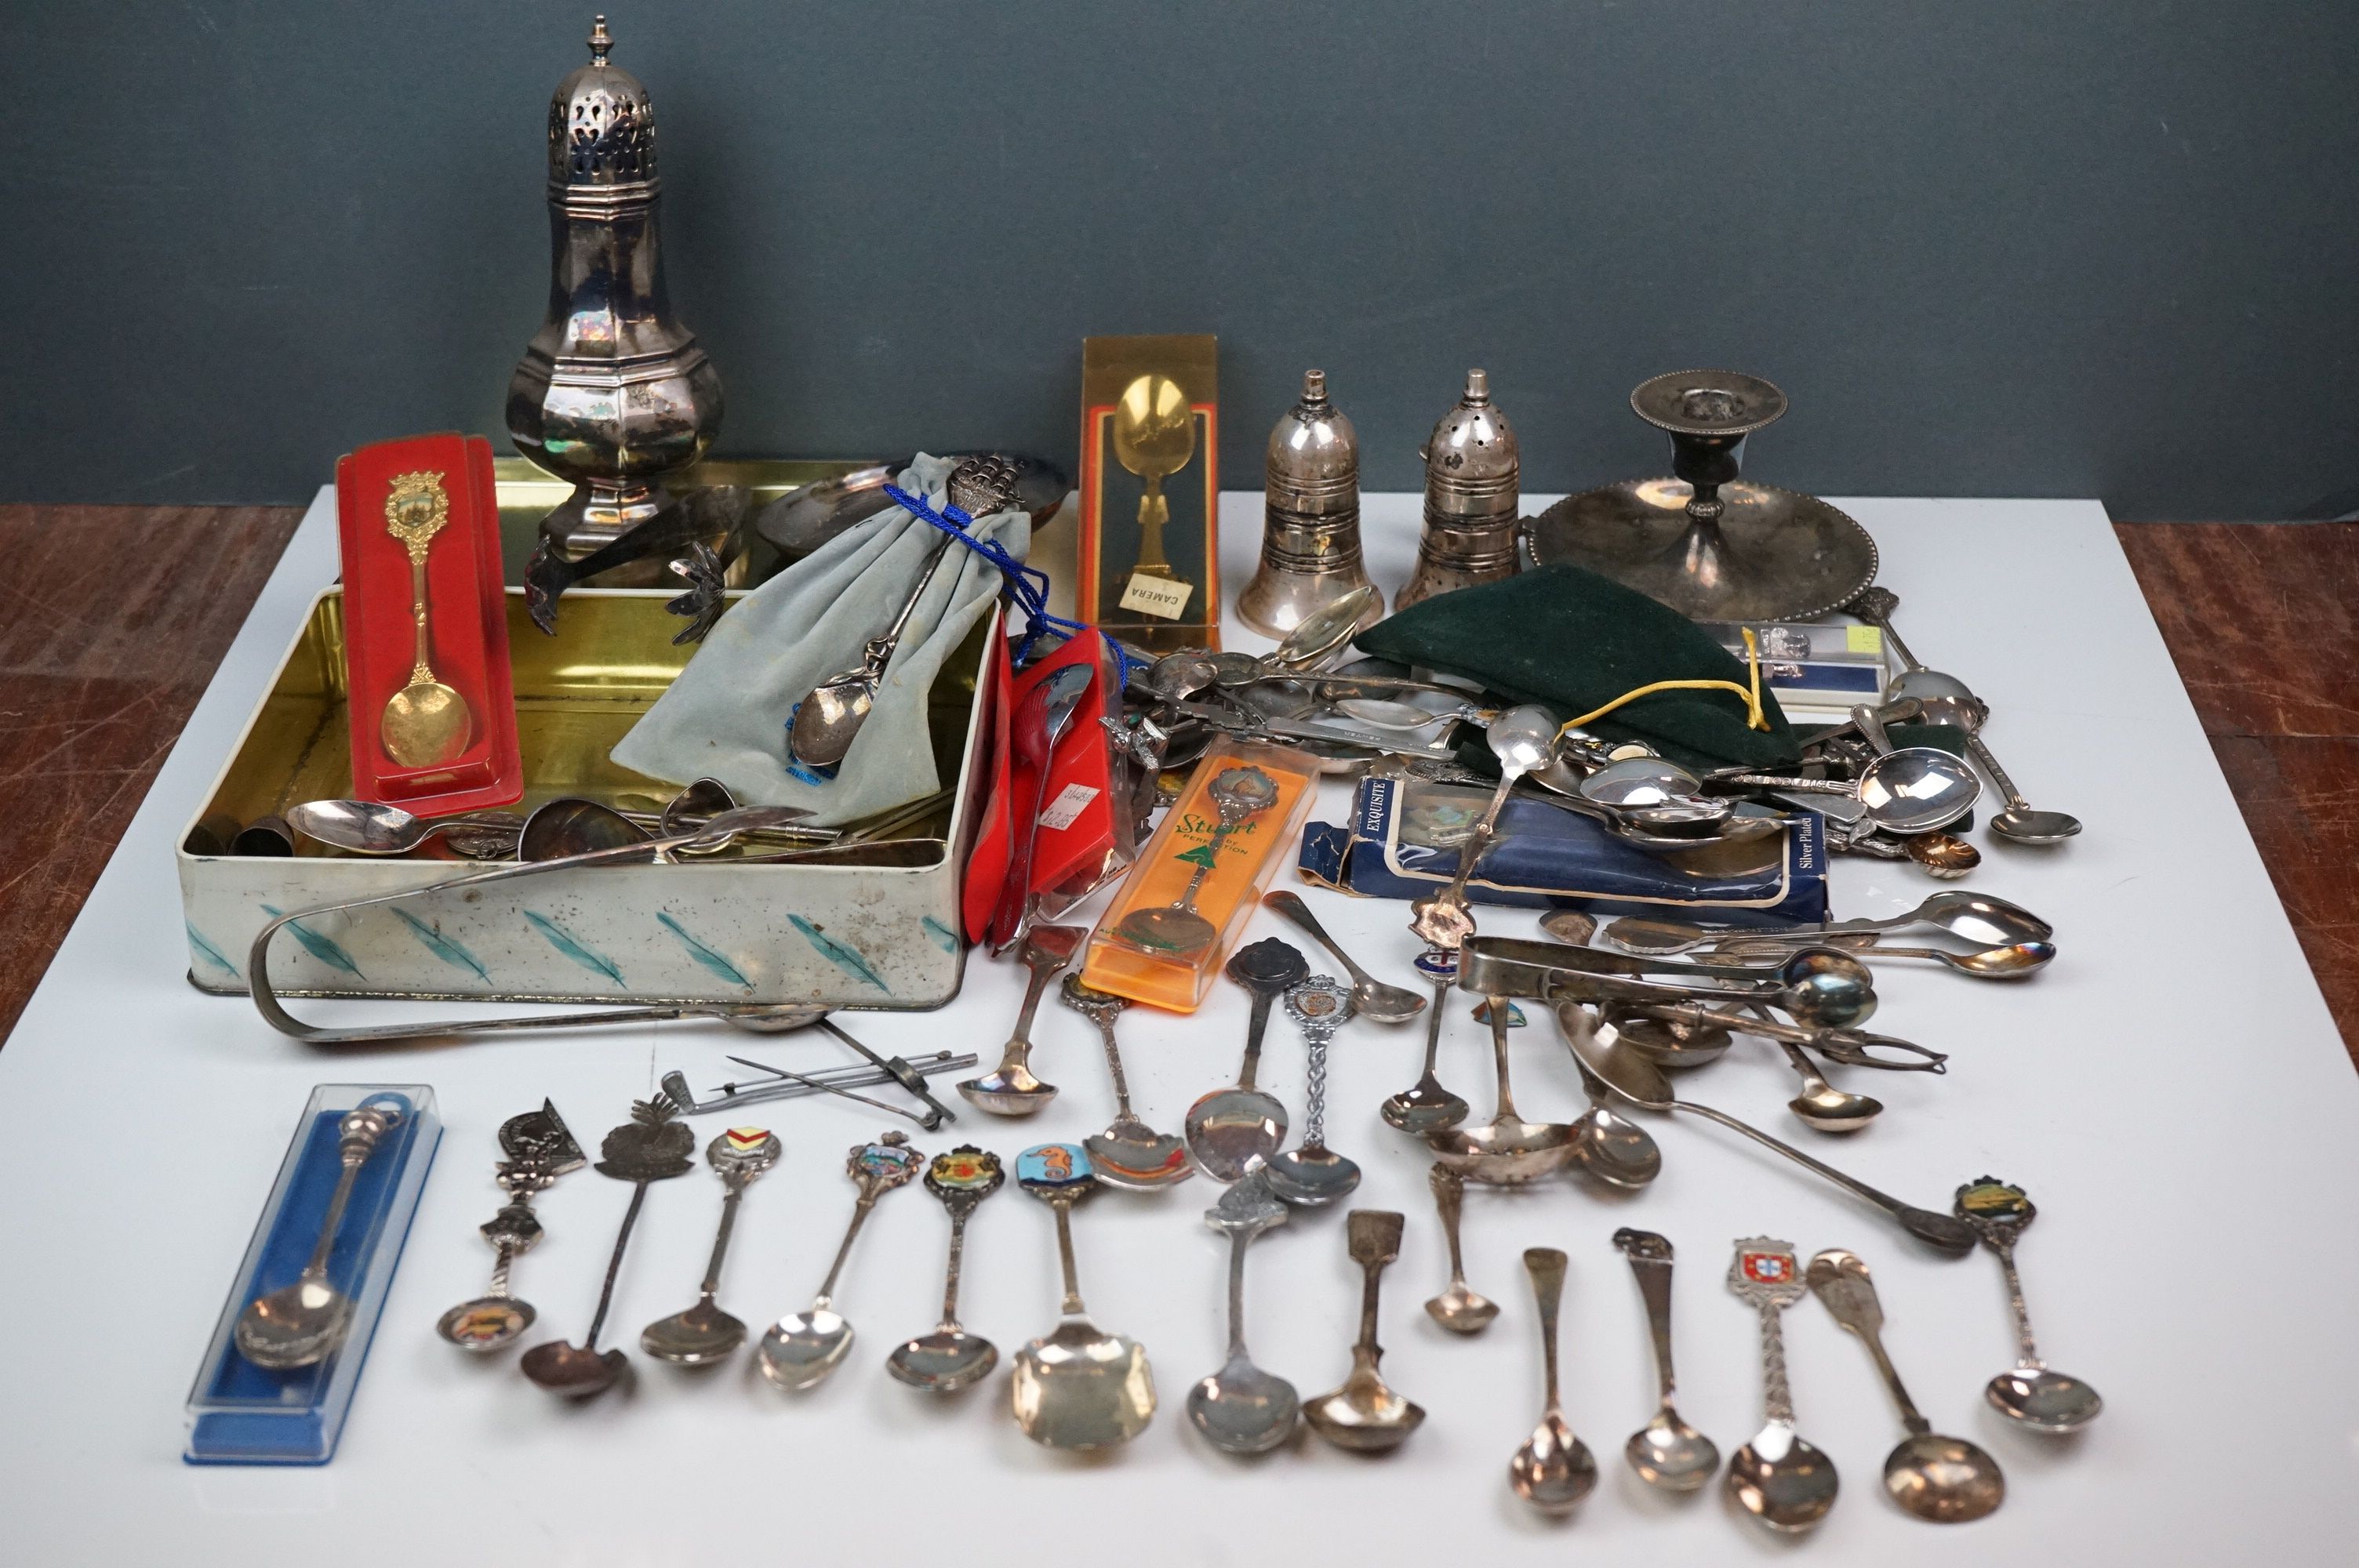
1755	719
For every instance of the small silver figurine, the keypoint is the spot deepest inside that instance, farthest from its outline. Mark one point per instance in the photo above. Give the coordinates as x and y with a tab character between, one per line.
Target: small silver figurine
611	392
1473	494
1311	518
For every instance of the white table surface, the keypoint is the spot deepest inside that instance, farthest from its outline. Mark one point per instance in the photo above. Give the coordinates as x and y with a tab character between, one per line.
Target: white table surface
2185	1117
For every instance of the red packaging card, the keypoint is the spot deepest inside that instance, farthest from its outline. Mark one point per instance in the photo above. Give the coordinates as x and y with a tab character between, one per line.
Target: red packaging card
986	865
1077	849
426	643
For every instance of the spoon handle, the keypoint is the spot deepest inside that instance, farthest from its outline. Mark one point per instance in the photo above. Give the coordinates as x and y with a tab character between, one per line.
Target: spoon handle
1777	1397
1498	1006
950	1275
1546	1266
1256	1025
1882	1200
2006	1250
860	1208
1450	1201
359	1132
1980	751
1063	1206
729	1202
615	1264
1113	1066
1373	1236
1018	1052
1239	1239
1650	1259
1841	1282
880	651
1291	907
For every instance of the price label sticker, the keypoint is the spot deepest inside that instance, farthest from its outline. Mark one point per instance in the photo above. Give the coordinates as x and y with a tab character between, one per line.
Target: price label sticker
1066	809
1864	639
1157	596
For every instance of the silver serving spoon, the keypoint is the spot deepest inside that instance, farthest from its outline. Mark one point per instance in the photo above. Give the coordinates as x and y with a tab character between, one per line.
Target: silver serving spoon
1371	998
1176	929
1010	1089
1076	1387
799	1350
1522	739
301	1324
1128	1153
1363	1415
1945	1480
1553	1470
703	1333
1975	917
950	1358
1667	1453
1777	1477
1638	1081
1242	1409
653	1146
1457	1309
1314	1175
1231	1132
2018	822
1508	1151
2028	1393
1425	1106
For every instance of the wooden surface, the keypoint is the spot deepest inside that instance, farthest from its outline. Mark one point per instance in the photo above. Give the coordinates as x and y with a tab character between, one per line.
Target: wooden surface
2263	620
111	619
114	618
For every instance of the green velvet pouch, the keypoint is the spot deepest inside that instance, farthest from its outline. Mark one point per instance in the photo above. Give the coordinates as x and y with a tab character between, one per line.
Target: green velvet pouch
1564	637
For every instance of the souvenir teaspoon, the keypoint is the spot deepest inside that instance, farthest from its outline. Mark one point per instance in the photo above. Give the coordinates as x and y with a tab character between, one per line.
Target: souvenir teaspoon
1667	1453
1553	1470
539	1149
1425	1106
651	1147
1522	739
1231	1131
1077	1386
799	1350
950	1358
1777	1477
300	1324
1944	1480
1363	1415
1458	1308
1371	998
1242	1409
701	1335
1176	929
1128	1153
2041	1400
1314	1175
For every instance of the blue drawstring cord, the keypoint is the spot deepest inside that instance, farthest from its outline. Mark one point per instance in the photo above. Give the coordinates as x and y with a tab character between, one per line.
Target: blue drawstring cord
1028	585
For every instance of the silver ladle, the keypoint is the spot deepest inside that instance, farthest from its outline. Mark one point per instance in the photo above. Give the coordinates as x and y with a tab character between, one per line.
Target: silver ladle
703	1333
2029	1393
1508	1151
950	1358
1553	1470
301	1324
799	1350
1458	1309
1230	1131
1667	1453
1128	1153
1372	999
1425	1106
2018	822
1242	1409
1944	1480
1777	1477
1076	1387
1314	1175
1010	1089
1638	1081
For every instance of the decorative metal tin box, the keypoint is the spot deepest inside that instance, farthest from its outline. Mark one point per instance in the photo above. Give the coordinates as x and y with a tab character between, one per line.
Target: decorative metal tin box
837	936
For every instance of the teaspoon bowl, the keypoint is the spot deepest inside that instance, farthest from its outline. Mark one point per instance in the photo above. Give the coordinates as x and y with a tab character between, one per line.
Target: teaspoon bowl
698	1336
1671	1455
1243	1410
1946	1480
799	1352
487	1322
2043	1400
572	1372
1782	1481
1554	1470
944	1361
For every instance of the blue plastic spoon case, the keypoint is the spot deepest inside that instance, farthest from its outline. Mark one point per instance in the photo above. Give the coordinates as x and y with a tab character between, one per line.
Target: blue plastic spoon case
243	1414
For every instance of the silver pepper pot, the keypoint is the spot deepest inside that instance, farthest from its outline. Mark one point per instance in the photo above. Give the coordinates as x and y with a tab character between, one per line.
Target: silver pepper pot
1472	495
611	392
1311	518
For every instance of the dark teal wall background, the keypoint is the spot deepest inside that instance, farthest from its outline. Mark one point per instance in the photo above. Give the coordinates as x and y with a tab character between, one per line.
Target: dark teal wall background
2010	247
